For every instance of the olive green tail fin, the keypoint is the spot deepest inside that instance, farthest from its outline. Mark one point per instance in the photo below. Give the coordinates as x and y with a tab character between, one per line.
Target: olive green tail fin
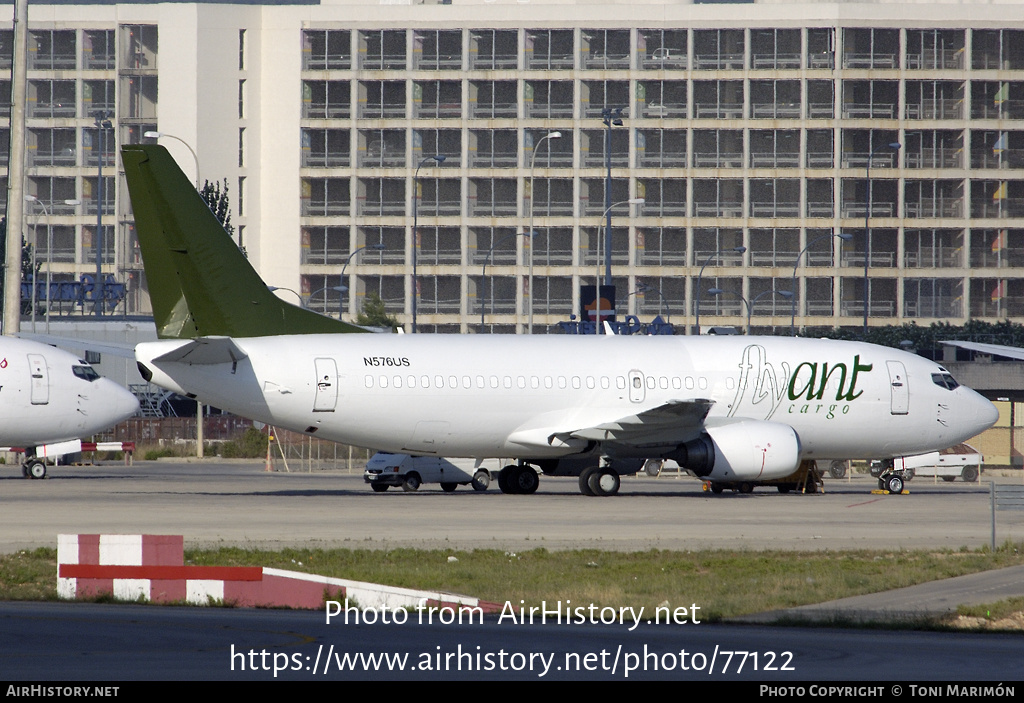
200	283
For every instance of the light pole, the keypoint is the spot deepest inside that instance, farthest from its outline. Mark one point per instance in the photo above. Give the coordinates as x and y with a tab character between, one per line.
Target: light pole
843	236
700	293
750	304
102	124
867	219
533	160
608	259
379	247
302	303
612	117
309	300
415	231
483	270
643	288
157	135
35	248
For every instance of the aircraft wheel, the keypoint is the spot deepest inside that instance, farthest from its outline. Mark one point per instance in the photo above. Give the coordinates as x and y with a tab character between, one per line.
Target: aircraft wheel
970	474
585	475
652	467
746	487
379	487
24	470
449	487
412	482
604	482
895	484
881	484
717	488
525	480
481	480
785	488
837	469
36	469
949	479
504	484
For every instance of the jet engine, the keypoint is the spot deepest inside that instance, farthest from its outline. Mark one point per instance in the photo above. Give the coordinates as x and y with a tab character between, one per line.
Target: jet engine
741	451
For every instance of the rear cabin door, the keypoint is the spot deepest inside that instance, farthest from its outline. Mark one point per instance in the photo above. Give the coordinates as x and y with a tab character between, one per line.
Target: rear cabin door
40	379
326	398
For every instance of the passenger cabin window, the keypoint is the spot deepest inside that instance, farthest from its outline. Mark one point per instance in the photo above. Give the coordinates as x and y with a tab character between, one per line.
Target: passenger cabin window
86	373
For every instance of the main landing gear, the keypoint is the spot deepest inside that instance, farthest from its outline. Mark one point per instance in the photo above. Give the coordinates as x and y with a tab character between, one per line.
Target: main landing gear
599	481
518	479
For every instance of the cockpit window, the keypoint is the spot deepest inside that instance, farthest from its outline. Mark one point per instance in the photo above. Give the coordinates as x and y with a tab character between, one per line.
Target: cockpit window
945	380
87	373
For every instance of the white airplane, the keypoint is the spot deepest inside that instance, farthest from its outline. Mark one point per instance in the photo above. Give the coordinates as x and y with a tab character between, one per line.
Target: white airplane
50	399
730	409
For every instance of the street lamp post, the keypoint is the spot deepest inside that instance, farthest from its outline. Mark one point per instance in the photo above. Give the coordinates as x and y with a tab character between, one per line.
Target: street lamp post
379	247
644	288
533	160
158	135
867	219
843	236
415	231
612	117
750	304
700	293
102	124
608	259
483	271
35	248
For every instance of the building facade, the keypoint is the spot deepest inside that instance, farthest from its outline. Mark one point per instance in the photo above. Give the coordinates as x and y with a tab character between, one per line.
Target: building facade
781	150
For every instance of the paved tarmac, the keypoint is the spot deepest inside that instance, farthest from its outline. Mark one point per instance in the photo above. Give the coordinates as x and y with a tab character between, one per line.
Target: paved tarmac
239	504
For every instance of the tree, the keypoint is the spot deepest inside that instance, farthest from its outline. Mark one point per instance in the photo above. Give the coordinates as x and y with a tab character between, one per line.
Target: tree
375	314
217	201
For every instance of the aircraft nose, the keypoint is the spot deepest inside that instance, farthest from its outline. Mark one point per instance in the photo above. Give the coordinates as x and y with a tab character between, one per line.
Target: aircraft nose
987	412
121	402
983	411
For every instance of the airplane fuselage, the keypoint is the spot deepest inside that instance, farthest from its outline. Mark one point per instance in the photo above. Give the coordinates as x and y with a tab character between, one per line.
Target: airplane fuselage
509	396
48	395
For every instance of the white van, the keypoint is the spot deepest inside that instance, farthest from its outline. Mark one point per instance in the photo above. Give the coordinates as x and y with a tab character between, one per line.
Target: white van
384	470
962	461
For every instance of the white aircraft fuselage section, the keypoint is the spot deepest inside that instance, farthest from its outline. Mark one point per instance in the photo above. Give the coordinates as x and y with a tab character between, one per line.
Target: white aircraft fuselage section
48	395
550	396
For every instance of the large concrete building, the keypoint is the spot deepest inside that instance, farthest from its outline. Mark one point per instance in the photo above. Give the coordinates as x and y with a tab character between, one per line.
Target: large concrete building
768	126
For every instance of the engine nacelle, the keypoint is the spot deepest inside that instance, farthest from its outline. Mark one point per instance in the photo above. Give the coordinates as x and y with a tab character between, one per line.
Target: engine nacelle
750	450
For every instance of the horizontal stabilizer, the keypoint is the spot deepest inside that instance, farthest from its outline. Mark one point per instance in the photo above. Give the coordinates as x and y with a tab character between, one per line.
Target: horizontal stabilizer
205	350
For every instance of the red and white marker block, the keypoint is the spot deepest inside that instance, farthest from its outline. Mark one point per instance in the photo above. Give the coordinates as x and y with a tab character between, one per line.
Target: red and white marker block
151	568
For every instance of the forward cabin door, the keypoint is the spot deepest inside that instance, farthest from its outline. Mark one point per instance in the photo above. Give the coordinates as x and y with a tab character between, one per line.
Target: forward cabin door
899	390
40	380
326	398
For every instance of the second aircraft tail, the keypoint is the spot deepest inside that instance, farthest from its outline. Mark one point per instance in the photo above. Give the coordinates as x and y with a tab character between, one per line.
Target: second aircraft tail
200	283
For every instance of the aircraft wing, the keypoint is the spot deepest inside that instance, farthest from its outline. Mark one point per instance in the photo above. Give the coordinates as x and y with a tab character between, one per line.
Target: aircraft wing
994	349
205	350
125	351
676	421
